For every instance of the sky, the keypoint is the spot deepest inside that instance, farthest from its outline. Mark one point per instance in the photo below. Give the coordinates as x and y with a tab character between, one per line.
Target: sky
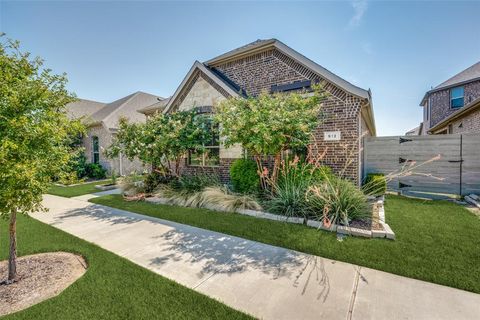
110	49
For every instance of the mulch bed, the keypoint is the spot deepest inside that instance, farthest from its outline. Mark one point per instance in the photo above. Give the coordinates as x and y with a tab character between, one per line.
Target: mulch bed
40	277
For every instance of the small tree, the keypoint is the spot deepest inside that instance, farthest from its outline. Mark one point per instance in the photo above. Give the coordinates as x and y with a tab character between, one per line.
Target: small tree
34	130
164	140
269	124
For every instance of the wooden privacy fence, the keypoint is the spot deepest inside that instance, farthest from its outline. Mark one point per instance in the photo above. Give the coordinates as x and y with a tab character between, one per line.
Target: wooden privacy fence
446	164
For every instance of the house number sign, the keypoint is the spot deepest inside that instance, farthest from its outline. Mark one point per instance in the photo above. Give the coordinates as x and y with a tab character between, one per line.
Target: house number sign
331	135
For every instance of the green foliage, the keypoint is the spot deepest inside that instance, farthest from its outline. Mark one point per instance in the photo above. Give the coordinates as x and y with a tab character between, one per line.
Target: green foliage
34	129
95	171
69	178
164	140
270	123
338	201
78	164
244	176
195	183
154	179
289	192
375	184
132	184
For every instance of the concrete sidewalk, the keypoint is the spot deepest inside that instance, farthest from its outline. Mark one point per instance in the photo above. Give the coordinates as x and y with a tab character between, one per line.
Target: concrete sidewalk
262	280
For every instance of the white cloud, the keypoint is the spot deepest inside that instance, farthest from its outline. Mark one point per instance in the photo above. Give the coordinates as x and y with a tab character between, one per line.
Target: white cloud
359	9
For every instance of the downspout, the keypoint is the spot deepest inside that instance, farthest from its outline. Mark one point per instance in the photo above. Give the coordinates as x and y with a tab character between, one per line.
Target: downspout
121	163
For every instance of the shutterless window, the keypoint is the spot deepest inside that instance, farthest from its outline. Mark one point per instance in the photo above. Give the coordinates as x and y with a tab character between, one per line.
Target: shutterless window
211	155
95	150
456	97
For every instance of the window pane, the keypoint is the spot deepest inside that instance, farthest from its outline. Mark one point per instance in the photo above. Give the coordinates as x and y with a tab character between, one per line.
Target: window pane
95	144
212	157
457	103
456	93
195	158
96	158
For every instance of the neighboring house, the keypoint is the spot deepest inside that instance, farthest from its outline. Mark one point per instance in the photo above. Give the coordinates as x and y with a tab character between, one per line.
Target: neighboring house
415	131
102	120
453	106
270	65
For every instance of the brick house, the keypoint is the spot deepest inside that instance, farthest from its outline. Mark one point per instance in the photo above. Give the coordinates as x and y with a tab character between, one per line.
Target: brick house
453	106
270	65
101	120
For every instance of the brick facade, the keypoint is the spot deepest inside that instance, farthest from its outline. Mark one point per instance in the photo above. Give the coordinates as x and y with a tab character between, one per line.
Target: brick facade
440	103
258	72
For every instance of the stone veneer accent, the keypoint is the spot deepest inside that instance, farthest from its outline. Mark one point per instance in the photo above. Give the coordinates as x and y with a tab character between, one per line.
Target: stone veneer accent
440	103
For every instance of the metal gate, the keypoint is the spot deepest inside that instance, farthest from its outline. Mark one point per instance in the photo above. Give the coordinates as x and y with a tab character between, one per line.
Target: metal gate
443	164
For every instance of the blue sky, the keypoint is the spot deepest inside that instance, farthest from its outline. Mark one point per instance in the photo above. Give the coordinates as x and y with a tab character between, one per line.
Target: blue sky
111	49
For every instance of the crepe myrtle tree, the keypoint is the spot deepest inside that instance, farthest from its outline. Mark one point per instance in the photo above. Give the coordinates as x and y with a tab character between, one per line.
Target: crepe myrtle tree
34	134
270	124
164	140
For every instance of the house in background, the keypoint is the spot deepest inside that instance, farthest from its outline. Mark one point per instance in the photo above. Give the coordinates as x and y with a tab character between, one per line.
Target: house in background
270	65
102	120
454	105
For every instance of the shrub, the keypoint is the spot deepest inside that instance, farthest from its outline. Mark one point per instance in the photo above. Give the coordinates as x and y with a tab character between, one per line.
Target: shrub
244	176
95	171
337	201
195	183
213	198
289	197
154	179
375	184
69	178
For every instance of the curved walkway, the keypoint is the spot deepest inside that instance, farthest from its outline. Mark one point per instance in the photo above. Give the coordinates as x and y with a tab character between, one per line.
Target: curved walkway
262	280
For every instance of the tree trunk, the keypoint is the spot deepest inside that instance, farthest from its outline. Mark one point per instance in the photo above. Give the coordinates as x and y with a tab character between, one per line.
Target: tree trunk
263	183
12	260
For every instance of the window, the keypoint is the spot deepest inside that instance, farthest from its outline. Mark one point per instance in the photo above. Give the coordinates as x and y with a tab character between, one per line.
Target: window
211	155
456	97
95	150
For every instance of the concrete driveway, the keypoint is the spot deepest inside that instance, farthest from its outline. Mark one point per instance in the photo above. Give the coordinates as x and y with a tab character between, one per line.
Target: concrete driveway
262	280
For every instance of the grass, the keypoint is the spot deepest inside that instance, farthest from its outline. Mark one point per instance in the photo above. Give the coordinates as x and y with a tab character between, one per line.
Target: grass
436	241
77	190
112	287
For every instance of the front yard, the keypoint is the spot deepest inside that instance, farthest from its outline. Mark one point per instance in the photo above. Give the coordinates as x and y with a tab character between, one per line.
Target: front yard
435	241
75	190
112	288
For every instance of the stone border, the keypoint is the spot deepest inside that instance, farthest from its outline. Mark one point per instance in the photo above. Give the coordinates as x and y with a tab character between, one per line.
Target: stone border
385	233
106	187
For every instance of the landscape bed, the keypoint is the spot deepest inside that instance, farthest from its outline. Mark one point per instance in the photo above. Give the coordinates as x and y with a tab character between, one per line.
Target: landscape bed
375	227
428	234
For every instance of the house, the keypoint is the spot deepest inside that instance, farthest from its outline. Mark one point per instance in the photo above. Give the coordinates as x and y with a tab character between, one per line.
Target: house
269	65
102	120
415	131
453	106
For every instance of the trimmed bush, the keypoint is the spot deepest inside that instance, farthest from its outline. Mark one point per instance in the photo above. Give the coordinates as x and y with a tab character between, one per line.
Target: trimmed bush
244	176
375	184
95	171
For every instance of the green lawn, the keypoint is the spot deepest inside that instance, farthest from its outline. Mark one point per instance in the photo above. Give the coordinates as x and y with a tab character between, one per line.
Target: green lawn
78	190
112	288
436	241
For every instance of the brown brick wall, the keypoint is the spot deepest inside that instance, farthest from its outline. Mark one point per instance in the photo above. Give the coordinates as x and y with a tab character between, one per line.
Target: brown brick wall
470	123
340	112
440	102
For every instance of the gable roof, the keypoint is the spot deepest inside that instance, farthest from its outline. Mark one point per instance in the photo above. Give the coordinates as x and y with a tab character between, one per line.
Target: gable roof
83	108
158	106
470	74
261	45
472	106
200	67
